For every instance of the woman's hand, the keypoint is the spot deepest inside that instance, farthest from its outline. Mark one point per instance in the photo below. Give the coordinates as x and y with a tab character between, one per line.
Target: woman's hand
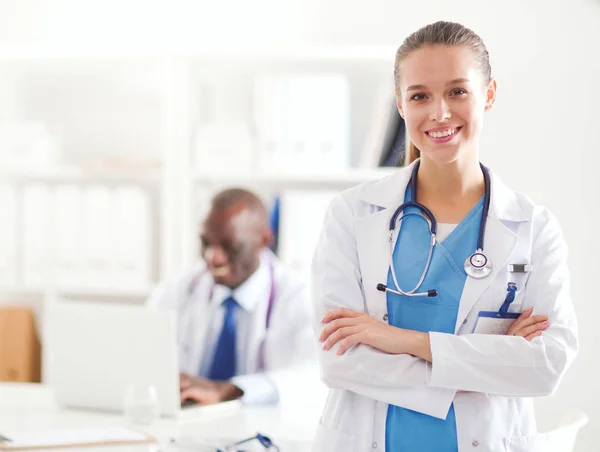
350	328
529	326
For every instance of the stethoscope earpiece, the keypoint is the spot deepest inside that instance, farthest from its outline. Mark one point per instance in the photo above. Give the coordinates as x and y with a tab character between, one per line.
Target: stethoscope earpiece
383	288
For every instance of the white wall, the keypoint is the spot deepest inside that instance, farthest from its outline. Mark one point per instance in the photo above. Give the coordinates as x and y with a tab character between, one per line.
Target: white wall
65	96
541	138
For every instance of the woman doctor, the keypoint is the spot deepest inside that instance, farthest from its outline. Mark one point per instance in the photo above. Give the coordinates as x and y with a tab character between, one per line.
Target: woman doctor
400	314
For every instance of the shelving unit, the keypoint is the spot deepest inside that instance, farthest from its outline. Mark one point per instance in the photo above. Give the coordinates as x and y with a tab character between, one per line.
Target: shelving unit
159	103
72	175
334	180
86	292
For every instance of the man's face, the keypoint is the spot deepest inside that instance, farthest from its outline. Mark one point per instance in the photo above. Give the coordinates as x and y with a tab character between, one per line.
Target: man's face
231	242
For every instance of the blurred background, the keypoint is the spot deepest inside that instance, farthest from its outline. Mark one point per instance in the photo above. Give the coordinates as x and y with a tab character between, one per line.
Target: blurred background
120	119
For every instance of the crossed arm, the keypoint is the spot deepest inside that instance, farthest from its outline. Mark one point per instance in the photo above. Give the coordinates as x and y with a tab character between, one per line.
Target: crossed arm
349	328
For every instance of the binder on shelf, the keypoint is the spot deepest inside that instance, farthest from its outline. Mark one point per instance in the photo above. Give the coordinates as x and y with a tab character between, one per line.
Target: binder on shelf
98	236
132	236
79	238
223	148
394	147
37	235
67	229
303	123
274	223
8	235
301	219
386	139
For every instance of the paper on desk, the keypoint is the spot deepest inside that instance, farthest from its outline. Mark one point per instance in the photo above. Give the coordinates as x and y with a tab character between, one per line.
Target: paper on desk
215	444
73	437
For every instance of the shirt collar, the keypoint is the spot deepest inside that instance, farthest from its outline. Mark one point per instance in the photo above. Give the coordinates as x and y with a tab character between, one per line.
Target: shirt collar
250	292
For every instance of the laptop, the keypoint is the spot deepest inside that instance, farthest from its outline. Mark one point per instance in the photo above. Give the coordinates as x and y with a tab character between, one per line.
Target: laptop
97	351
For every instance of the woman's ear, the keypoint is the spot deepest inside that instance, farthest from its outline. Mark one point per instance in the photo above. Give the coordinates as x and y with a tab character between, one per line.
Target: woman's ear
399	104
490	94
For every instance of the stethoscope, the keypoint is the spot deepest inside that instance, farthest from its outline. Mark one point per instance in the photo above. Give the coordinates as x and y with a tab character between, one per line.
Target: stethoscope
193	284
477	265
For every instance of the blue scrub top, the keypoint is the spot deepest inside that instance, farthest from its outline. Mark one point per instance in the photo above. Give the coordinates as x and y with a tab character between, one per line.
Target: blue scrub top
407	430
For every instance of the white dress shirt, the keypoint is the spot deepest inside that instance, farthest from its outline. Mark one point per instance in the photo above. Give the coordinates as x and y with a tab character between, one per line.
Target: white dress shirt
274	365
257	388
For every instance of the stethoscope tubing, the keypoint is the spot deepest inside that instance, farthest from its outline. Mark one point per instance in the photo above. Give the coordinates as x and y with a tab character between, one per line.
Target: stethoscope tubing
471	267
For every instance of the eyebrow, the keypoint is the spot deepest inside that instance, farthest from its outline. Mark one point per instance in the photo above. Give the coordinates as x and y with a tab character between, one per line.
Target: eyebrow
422	87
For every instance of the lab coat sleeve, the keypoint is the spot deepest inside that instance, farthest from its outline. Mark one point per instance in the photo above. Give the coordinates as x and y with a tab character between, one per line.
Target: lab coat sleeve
292	365
172	292
168	294
258	389
508	365
163	296
336	282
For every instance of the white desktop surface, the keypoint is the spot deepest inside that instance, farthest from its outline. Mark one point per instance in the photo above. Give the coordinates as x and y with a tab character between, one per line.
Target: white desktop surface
29	407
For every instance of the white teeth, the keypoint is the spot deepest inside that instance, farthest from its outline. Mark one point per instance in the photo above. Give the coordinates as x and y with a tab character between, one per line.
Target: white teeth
220	271
443	133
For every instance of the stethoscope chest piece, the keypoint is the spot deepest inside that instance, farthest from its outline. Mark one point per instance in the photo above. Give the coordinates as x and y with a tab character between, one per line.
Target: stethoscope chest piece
478	266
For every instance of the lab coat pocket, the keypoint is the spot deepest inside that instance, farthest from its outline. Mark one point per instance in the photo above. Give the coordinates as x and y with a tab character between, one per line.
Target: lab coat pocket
534	443
331	440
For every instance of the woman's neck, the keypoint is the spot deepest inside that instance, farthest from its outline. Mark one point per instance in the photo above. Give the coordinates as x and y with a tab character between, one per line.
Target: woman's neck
451	183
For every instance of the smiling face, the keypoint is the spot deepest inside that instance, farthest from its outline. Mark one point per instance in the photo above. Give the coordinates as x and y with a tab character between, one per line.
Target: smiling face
442	97
231	240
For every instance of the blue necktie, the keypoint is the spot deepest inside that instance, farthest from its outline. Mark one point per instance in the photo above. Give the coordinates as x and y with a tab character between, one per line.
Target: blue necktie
224	361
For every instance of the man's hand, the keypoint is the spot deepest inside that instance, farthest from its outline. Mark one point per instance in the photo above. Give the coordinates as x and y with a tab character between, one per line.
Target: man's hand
207	392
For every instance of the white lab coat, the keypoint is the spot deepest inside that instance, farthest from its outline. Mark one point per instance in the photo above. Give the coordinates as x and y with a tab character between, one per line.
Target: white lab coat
502	372
289	348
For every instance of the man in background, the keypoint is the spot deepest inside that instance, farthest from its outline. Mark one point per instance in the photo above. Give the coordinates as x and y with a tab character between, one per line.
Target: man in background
244	319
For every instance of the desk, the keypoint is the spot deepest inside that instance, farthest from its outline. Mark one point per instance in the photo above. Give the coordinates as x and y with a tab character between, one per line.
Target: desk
26	407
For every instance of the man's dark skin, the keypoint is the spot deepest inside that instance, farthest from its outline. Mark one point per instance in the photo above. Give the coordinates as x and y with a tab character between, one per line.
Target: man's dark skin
232	237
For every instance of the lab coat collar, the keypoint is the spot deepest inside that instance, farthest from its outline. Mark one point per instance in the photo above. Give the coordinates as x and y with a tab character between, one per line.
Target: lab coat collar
373	245
389	193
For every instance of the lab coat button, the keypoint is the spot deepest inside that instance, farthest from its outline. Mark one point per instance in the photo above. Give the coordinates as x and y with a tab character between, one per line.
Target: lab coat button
385	317
475	443
374	445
